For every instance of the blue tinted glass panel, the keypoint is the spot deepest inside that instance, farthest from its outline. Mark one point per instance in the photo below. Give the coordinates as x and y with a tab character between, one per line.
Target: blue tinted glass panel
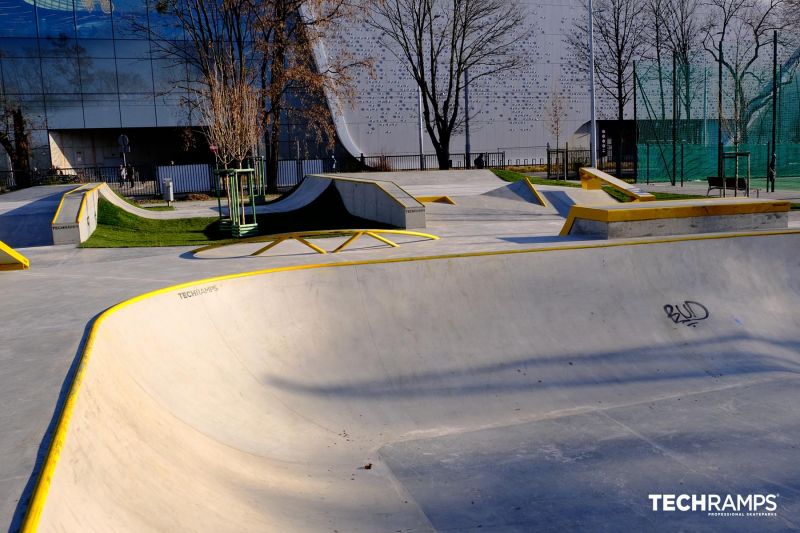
130	19
94	18
19	19
129	48
138	110
169	111
21	76
135	76
101	110
61	75
168	75
98	75
62	46
64	111
100	48
18	47
56	18
165	27
34	111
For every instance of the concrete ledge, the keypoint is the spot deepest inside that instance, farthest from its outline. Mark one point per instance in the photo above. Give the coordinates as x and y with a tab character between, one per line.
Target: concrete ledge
381	201
677	217
76	217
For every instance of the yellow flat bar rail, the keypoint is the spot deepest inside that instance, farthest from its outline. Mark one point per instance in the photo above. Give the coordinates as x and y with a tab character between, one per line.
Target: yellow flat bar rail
594	179
435	200
10	259
536	193
702	207
303	236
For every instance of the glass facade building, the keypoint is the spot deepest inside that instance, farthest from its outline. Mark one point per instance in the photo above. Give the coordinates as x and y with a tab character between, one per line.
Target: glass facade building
85	71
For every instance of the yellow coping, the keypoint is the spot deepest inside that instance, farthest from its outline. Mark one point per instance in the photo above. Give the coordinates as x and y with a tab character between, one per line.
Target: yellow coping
536	193
61	203
42	487
83	201
701	207
435	199
593	179
18	261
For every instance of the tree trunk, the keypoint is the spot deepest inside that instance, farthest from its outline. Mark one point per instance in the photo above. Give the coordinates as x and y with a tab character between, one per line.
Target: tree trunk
443	151
18	149
277	81
618	136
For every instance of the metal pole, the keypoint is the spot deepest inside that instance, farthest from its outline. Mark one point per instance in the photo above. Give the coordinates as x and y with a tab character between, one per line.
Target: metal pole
421	130
592	120
705	101
771	168
720	148
674	117
635	131
466	117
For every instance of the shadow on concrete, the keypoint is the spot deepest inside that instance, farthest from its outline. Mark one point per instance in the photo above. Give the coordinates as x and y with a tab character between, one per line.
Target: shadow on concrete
29	225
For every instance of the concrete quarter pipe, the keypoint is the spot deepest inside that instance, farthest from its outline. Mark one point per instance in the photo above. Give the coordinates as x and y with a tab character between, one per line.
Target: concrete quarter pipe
550	389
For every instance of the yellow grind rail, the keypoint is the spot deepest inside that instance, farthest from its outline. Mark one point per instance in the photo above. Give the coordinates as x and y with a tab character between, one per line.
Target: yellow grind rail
303	236
594	179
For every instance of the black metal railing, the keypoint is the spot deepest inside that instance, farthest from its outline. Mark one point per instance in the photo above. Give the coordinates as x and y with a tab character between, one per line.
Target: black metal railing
146	180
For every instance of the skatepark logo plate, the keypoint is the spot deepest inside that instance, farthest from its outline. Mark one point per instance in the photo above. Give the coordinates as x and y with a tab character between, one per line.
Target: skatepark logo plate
717	505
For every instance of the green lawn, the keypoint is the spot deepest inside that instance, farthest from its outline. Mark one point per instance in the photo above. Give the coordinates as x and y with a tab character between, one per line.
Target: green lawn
119	229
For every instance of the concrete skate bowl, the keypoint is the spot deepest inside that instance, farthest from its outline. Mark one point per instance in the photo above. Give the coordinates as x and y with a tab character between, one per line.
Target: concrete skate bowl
524	391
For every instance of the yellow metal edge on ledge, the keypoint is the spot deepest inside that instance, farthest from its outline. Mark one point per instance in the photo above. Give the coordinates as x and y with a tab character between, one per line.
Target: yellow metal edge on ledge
536	193
61	203
434	200
83	201
20	262
594	179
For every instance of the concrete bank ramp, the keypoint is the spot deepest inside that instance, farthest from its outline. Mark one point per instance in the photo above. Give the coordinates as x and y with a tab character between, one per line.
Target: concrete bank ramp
26	215
542	390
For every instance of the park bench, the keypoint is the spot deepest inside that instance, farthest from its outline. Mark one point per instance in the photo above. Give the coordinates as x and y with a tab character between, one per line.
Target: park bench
731	184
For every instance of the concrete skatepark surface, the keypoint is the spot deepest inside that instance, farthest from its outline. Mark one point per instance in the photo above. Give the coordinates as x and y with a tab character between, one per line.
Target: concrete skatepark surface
542	390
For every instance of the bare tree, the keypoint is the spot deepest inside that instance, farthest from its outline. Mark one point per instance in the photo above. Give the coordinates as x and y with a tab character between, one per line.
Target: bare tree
274	39
735	34
231	107
289	32
620	39
555	112
438	41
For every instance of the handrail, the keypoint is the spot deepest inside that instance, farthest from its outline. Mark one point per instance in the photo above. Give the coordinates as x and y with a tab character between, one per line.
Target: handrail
302	236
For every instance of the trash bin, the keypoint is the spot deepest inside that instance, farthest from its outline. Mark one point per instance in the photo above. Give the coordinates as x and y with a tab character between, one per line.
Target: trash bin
169	194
